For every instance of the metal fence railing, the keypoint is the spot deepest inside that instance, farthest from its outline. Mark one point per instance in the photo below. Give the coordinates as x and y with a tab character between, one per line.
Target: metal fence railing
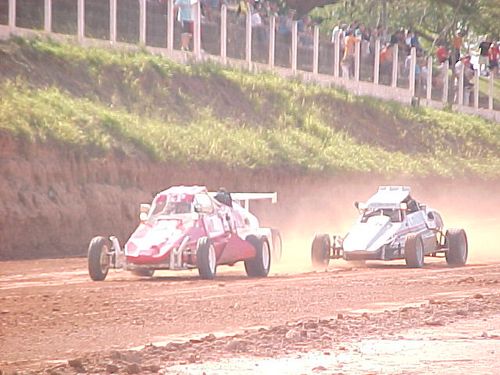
223	33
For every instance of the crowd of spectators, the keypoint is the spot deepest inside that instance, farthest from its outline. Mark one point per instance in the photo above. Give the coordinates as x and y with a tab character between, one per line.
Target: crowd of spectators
349	35
446	54
260	10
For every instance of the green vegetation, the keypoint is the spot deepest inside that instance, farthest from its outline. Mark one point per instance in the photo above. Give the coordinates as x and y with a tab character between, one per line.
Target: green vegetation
102	100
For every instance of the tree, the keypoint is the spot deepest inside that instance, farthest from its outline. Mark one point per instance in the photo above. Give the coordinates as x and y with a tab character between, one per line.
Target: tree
433	19
305	6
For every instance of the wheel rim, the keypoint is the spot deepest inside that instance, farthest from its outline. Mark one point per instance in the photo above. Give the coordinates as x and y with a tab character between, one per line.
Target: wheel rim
104	260
212	261
265	255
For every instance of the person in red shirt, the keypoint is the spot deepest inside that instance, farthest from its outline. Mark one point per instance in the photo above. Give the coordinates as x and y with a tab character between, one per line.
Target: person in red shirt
442	53
493	57
386	57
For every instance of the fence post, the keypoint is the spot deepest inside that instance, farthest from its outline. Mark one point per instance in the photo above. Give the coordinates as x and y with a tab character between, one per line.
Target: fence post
12	15
476	89
47	16
272	40
170	25
112	21
490	91
336	56
429	79
81	20
461	86
197	30
223	33
412	75
294	46
142	22
395	64
248	38
376	64
446	82
316	50
357	59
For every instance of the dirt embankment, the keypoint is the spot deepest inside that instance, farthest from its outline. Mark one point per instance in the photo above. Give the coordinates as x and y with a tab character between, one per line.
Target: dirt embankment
54	199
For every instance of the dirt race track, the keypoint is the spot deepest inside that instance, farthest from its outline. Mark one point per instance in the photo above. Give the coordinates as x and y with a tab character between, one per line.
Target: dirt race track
378	318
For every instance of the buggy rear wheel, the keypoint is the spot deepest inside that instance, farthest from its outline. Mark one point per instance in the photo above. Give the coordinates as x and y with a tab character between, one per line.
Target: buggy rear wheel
320	251
259	265
99	258
414	251
456	240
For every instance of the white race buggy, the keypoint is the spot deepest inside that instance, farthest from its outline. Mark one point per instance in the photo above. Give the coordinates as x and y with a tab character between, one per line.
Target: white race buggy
392	225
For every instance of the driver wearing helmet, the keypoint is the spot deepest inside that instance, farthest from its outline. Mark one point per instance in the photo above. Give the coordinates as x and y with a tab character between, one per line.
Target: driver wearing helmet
224	197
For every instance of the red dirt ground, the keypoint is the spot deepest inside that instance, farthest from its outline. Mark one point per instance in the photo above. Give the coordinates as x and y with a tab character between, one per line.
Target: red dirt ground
51	310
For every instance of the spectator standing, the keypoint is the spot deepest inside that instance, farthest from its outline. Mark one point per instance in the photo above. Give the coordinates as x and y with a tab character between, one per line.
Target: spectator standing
363	35
212	8
348	58
185	17
386	58
468	77
484	48
258	28
305	32
285	24
442	53
493	57
457	46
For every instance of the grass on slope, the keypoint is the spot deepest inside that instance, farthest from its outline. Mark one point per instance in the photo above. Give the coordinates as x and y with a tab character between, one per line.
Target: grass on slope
283	123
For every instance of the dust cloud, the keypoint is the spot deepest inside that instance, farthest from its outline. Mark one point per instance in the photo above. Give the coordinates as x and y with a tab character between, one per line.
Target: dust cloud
328	207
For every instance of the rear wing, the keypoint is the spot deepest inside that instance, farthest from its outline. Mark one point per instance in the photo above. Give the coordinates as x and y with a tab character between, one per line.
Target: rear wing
245	198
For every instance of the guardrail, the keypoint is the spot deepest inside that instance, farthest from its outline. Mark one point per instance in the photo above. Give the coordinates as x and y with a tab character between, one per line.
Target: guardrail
230	39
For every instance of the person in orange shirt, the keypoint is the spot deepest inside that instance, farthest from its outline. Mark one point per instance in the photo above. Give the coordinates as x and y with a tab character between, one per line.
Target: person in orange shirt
348	58
458	40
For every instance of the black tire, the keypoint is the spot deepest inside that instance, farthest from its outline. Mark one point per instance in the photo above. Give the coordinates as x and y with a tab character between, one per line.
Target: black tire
458	247
143	273
320	251
277	245
206	258
414	251
260	265
98	258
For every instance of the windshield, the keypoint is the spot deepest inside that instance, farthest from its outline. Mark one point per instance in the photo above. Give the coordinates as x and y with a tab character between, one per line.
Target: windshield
393	214
169	205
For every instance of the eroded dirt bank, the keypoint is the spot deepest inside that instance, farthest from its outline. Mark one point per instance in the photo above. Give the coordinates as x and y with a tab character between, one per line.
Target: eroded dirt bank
53	199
